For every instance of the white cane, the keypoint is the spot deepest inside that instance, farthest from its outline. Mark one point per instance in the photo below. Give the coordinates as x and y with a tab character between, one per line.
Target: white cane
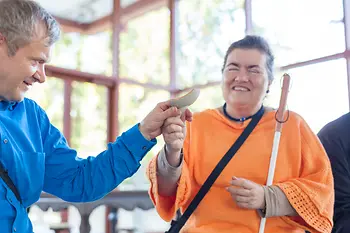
276	139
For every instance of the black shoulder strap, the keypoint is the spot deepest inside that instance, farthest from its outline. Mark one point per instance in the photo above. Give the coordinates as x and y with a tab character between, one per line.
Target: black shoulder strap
177	225
4	175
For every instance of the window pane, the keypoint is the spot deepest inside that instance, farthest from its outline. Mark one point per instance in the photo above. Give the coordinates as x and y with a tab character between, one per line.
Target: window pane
65	52
95	53
49	96
134	104
205	33
319	93
126	3
300	30
89	119
144	45
87	53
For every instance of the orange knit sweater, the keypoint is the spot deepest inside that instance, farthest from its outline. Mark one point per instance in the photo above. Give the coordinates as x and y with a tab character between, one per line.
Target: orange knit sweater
303	172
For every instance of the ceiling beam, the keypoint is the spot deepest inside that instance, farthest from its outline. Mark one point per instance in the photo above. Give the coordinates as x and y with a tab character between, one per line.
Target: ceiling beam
99	25
141	7
70	25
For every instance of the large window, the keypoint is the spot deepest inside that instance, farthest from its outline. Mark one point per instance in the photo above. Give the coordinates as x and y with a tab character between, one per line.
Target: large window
49	96
144	48
300	30
319	93
205	32
89	114
95	53
66	51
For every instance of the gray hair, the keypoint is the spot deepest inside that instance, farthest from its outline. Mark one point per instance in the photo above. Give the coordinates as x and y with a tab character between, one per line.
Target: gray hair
18	21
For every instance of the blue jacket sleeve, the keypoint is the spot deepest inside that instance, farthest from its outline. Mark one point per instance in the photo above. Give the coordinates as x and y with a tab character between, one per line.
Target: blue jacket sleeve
81	180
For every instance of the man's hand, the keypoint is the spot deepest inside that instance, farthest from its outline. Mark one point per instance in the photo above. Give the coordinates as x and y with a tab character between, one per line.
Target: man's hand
247	194
150	126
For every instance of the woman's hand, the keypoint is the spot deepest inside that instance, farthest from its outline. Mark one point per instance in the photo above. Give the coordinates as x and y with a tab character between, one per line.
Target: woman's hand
247	194
174	133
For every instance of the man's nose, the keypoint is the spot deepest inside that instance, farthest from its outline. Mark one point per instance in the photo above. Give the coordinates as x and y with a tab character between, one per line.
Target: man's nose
40	74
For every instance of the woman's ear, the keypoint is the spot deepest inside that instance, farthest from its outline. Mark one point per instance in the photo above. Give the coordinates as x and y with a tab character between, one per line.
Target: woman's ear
268	87
2	39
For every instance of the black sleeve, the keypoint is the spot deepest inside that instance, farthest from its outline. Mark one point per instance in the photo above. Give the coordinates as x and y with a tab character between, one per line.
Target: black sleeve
336	142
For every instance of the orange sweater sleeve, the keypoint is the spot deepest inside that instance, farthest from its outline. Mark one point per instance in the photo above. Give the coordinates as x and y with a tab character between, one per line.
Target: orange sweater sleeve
312	194
167	206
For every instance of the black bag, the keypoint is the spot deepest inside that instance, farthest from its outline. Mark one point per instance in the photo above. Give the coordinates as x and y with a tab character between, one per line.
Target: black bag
177	225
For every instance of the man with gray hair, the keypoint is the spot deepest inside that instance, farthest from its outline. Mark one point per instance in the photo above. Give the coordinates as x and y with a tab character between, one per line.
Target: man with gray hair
34	155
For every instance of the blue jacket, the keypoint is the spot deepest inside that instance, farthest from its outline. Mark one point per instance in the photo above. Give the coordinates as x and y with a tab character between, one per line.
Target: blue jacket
37	158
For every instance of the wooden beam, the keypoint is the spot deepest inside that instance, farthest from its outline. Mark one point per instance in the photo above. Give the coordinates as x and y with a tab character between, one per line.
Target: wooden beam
108	81
317	60
67	121
99	25
75	75
198	86
140	8
71	26
113	93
